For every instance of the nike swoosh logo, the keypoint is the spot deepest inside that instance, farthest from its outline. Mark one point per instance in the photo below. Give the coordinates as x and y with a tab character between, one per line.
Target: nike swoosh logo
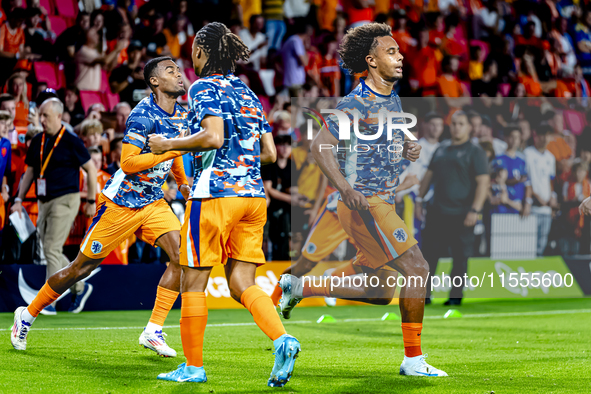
427	374
184	380
28	293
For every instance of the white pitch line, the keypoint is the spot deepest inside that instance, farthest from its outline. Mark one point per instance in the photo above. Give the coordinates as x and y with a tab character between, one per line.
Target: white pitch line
501	314
475	315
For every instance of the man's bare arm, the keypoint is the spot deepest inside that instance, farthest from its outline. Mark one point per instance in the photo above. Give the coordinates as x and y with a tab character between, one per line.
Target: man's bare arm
268	149
210	137
482	186
322	153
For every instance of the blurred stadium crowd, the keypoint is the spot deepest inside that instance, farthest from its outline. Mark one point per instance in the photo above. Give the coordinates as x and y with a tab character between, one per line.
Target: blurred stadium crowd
501	62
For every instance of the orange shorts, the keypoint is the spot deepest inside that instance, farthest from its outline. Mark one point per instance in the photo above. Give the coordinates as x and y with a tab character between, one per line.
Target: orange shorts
216	229
113	224
324	236
379	233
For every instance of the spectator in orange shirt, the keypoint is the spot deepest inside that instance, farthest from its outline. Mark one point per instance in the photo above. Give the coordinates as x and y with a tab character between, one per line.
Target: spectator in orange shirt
449	44
330	73
551	62
125	34
326	14
449	85
401	34
360	12
529	77
98	160
175	35
17	87
558	146
574	85
424	66
437	32
12	42
528	39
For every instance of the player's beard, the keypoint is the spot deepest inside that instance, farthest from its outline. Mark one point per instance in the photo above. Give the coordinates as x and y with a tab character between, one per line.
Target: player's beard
178	93
394	78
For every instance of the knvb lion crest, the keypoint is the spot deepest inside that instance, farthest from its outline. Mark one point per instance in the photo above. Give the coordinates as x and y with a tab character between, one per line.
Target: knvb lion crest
96	247
400	235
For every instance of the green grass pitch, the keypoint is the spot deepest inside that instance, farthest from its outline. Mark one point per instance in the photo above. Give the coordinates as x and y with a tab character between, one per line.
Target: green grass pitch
500	346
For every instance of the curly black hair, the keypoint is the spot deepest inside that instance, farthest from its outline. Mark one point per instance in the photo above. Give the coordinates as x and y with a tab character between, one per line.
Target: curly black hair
359	42
223	49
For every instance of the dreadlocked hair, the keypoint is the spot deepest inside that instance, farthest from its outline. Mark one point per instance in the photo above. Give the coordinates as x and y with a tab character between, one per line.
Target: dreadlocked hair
223	49
358	43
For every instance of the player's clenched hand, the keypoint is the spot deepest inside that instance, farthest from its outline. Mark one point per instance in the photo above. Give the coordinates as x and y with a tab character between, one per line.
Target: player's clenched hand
185	191
411	150
355	200
158	144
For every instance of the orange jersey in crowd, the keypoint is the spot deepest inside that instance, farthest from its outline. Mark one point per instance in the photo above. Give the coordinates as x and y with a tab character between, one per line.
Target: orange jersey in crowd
423	68
21	114
11	42
449	86
404	41
560	149
326	13
570	88
532	87
330	73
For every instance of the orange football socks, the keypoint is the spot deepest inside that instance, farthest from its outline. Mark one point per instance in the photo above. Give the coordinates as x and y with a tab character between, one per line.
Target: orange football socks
44	298
411	335
277	292
263	311
165	299
193	322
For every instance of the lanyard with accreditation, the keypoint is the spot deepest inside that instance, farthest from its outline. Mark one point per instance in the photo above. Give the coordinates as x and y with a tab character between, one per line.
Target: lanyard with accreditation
41	185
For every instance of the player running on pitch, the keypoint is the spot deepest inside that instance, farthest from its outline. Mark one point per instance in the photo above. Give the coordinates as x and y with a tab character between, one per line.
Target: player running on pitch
367	181
227	211
132	202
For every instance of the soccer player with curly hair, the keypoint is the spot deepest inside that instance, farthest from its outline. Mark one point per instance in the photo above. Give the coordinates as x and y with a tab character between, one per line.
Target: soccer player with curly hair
367	180
227	210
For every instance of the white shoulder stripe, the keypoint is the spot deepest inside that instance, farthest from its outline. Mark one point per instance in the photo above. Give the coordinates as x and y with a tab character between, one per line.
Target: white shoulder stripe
136	136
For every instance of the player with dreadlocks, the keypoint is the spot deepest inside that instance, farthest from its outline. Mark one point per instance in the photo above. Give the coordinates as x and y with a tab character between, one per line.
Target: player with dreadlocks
367	179
227	209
